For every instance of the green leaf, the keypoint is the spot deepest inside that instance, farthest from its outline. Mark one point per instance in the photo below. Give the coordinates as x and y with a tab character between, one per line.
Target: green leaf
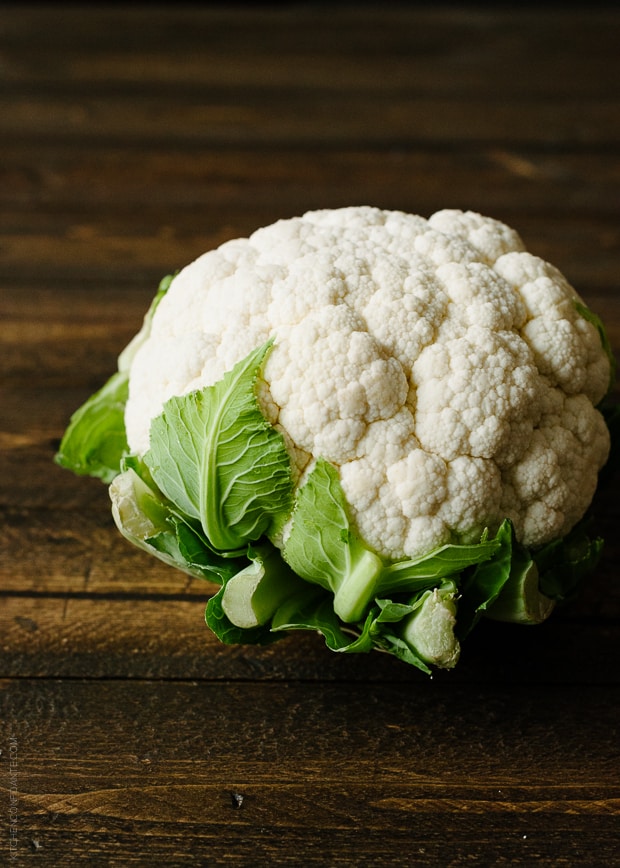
198	555
323	549
564	564
505	588
253	595
215	456
595	320
520	600
425	572
429	630
482	586
383	631
218	621
395	645
146	519
313	609
95	440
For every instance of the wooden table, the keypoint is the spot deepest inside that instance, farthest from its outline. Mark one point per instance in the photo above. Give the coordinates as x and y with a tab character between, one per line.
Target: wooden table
132	139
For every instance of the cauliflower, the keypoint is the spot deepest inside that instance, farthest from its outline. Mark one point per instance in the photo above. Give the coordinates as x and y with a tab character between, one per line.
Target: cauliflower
414	391
444	370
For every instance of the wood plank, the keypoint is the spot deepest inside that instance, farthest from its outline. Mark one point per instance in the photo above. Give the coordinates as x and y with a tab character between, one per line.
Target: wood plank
333	119
439	840
134	247
159	632
74	547
137	769
511	180
308	47
449	77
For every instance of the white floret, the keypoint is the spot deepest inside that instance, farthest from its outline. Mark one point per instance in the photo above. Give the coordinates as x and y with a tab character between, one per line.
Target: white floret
444	369
491	238
547	491
152	365
566	346
471	390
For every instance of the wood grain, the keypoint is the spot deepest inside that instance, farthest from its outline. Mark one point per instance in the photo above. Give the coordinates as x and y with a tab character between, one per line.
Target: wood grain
132	139
122	769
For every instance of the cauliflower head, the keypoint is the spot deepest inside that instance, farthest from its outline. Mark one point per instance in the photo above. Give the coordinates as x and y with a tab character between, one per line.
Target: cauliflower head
448	374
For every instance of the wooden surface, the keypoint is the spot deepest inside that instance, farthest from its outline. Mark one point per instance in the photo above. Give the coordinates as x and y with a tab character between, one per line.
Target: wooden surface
132	140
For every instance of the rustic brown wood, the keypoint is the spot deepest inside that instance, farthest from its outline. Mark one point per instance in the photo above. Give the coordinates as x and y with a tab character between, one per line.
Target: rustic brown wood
261	773
132	139
67	633
56	179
